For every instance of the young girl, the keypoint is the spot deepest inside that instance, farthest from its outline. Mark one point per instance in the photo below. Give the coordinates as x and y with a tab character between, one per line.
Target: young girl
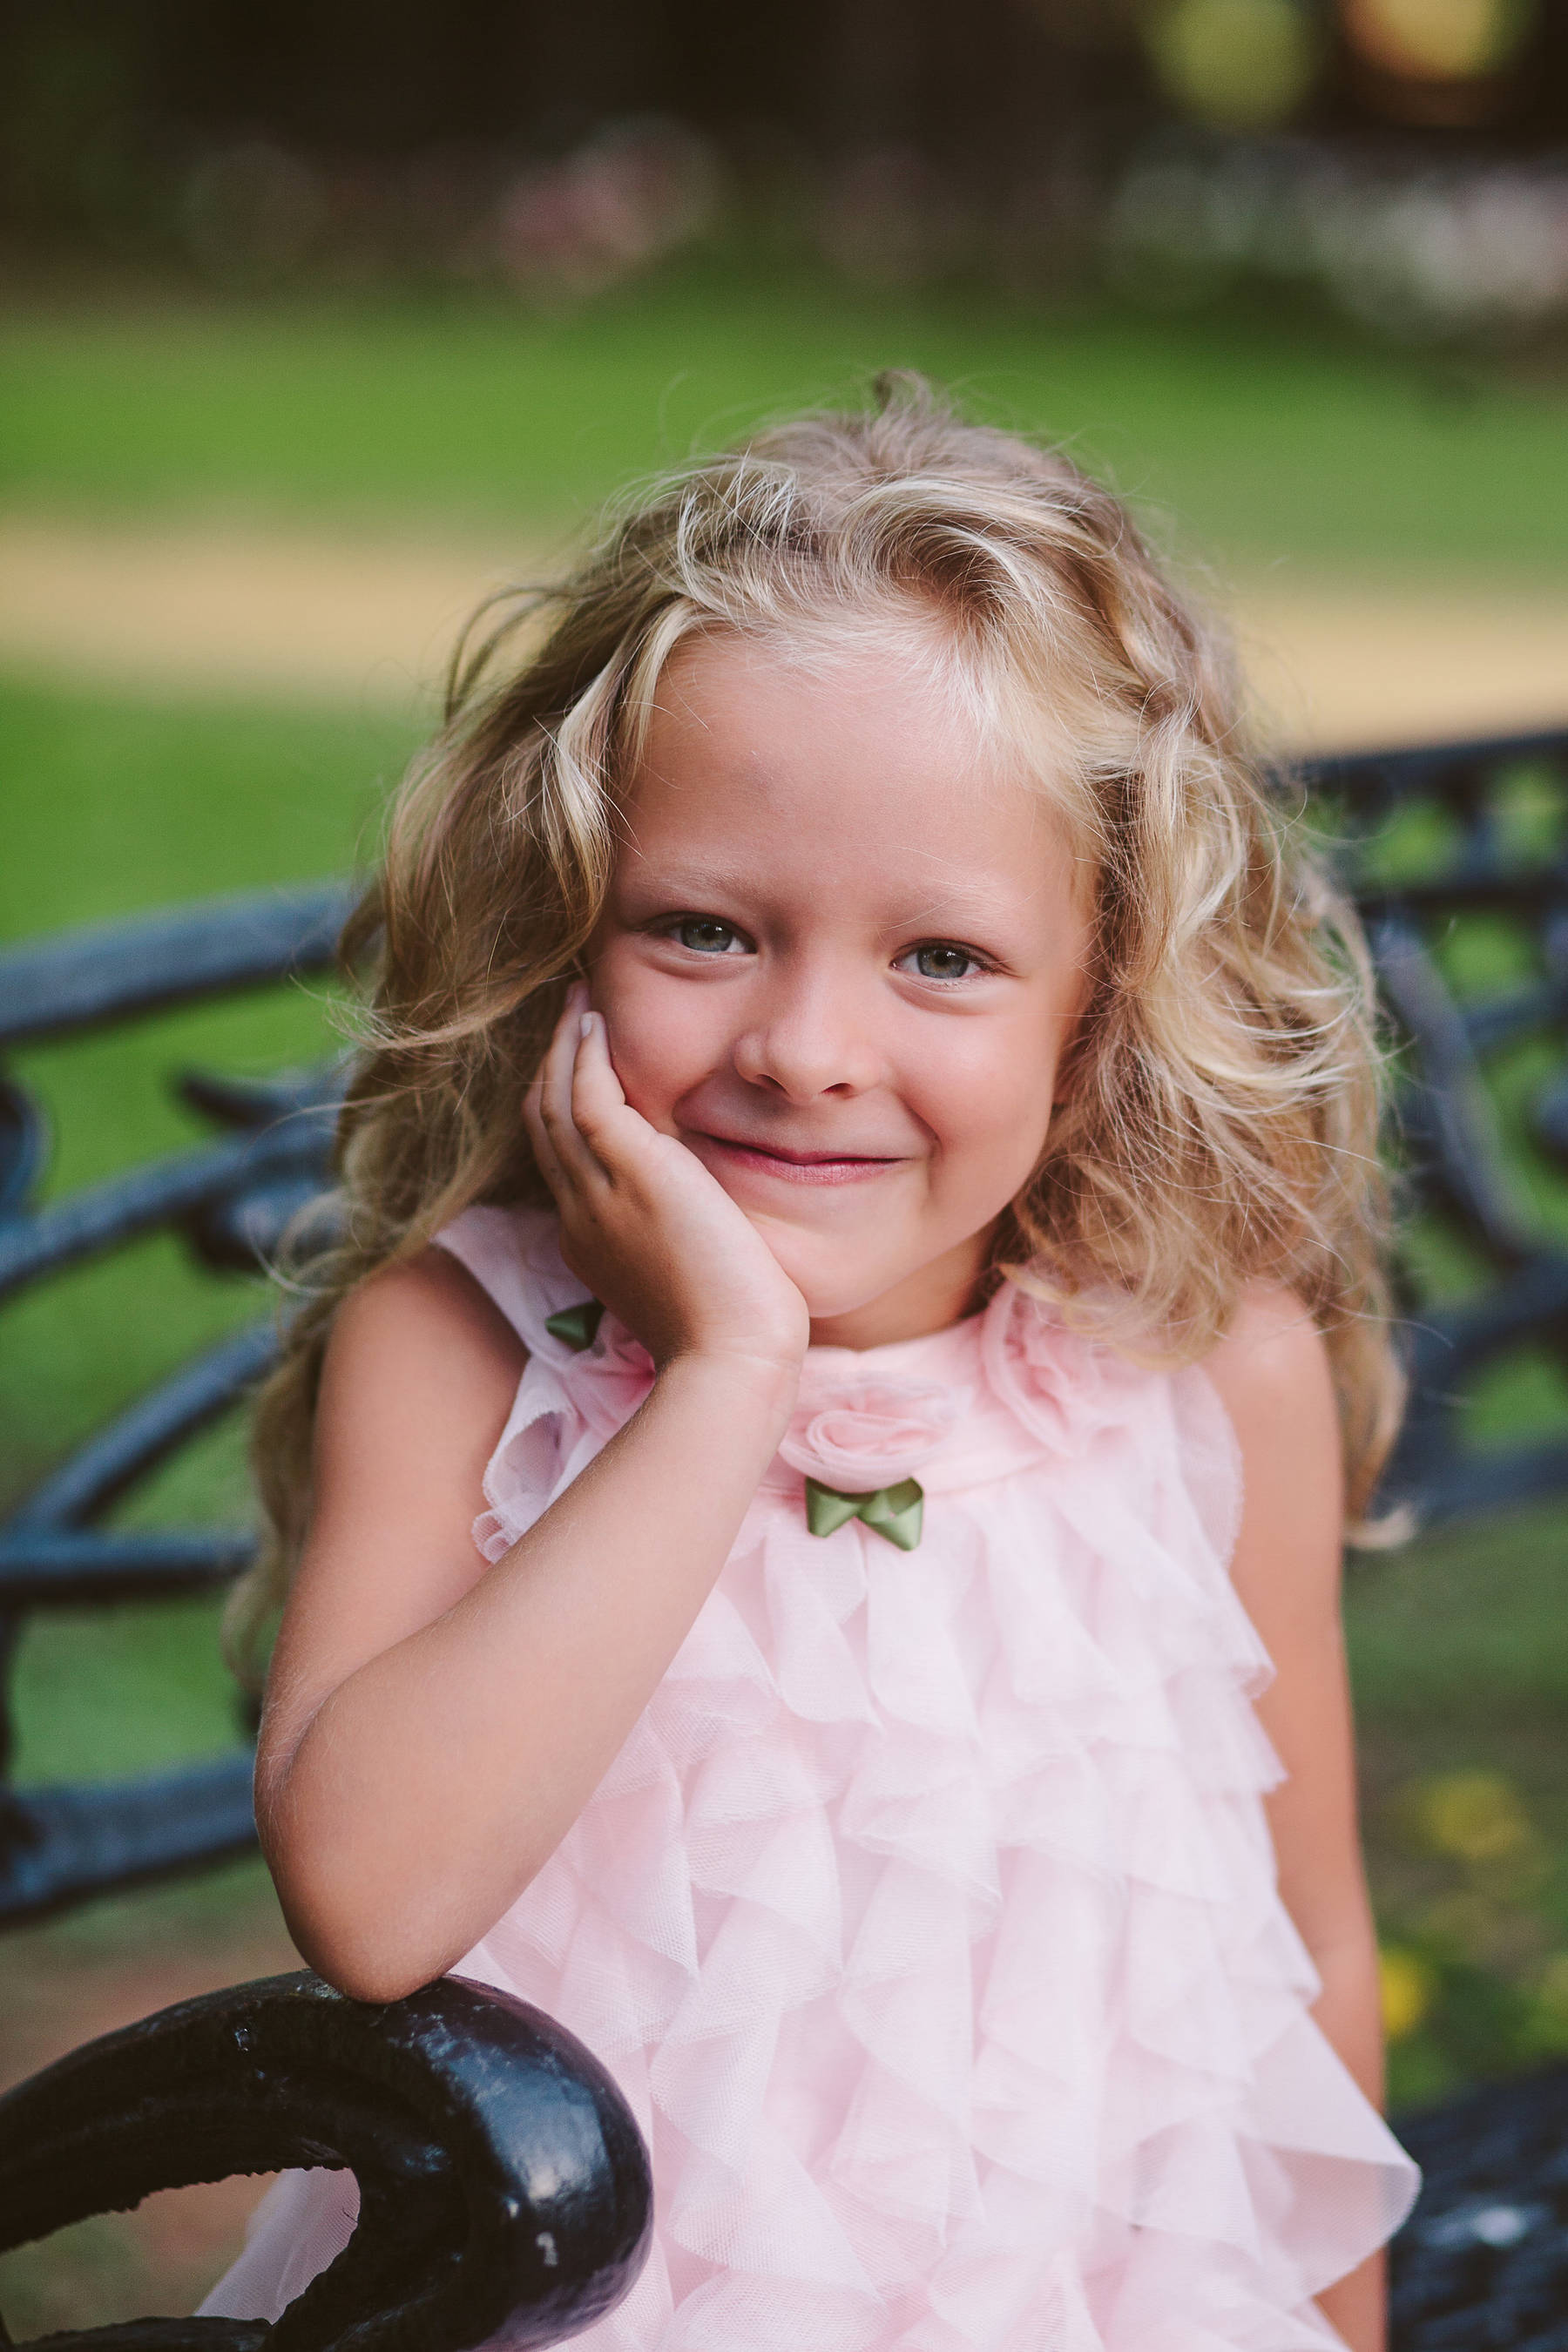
859	1326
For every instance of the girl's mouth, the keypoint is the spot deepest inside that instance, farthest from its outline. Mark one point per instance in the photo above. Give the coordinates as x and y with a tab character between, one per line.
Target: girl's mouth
796	1166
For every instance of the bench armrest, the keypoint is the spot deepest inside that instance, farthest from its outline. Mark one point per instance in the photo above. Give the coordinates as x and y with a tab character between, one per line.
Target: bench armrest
503	2182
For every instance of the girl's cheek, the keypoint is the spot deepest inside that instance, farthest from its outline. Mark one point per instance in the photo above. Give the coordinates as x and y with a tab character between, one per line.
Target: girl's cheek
996	1102
656	1044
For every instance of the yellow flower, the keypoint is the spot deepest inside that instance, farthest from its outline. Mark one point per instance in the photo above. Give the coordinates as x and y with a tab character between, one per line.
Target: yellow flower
1408	1989
1475	1816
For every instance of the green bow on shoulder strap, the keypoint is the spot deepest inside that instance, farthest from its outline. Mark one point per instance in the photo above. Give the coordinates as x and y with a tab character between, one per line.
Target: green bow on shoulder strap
896	1512
577	1326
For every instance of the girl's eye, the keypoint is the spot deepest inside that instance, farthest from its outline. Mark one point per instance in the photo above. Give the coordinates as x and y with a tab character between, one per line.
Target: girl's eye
705	935
937	960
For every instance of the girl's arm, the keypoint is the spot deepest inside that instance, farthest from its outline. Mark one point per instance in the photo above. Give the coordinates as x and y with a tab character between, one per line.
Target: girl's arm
1272	1372
433	1726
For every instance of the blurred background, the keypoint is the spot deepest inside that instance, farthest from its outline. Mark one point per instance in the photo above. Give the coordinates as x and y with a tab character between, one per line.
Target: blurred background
320	321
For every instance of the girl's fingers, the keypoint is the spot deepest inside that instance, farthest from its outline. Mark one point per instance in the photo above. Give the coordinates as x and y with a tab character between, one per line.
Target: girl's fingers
555	1084
544	1151
596	1092
577	1102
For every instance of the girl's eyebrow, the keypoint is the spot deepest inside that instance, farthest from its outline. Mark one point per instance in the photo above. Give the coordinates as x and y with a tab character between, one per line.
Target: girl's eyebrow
692	878
955	906
952	906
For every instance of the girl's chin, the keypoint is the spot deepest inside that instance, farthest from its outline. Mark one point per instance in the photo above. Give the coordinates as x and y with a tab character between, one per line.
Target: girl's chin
834	1279
880	1280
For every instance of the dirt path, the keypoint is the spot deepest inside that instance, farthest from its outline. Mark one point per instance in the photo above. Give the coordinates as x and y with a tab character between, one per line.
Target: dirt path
205	610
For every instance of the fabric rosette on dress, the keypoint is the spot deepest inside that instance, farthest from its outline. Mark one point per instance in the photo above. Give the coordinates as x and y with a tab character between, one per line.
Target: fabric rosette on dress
928	1916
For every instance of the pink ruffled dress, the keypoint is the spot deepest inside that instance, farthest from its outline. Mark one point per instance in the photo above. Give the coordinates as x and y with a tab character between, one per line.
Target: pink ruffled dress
928	1917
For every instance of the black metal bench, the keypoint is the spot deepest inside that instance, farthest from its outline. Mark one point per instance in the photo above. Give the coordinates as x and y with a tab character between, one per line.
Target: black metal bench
1483	2263
1485	841
502	2180
1426	837
231	1197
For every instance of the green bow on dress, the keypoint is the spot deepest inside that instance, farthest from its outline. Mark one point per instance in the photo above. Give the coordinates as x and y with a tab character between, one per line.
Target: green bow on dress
895	1512
577	1326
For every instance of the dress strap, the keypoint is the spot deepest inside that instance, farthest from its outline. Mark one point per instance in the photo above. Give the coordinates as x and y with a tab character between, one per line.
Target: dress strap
570	1399
513	1255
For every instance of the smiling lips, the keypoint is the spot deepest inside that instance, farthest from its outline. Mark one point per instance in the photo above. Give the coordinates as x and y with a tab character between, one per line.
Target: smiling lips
801	1167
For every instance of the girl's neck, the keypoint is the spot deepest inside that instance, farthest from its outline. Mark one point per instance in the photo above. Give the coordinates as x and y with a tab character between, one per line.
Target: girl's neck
931	1299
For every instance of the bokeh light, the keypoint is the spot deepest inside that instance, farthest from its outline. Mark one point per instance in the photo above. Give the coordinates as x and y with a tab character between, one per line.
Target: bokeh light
1245	65
1440	40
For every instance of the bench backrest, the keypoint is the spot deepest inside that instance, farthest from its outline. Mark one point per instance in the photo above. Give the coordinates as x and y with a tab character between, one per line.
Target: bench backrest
1459	855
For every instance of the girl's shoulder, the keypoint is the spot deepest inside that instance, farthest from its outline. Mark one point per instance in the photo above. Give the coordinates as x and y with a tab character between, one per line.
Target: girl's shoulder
1273	1364
422	1325
513	1255
488	1281
1272	1375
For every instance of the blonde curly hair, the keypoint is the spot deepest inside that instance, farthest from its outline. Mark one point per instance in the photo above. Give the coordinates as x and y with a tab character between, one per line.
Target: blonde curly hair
1219	1120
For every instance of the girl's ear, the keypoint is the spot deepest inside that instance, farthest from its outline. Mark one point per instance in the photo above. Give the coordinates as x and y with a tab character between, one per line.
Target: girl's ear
1068	1060
1091	1000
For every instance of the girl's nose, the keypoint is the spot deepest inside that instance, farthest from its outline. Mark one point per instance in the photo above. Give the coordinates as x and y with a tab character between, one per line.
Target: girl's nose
807	1042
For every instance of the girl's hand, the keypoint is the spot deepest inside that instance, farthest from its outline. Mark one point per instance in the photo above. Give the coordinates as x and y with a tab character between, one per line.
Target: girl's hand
649	1230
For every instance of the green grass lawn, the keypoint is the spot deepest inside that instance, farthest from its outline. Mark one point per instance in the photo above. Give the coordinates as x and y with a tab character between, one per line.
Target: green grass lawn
124	804
1460	1658
1270	441
116	805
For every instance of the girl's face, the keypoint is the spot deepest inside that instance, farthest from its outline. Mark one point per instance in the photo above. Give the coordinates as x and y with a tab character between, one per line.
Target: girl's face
841	961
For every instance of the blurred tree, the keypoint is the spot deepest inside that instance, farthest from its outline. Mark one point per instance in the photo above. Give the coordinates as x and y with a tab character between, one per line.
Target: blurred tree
111	110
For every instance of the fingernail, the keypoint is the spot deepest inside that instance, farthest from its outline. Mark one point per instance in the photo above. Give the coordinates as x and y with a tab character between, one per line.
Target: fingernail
586	1026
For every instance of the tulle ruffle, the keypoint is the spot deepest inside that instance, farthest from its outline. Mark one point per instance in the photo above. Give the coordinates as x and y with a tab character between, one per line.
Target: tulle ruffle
928	1917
